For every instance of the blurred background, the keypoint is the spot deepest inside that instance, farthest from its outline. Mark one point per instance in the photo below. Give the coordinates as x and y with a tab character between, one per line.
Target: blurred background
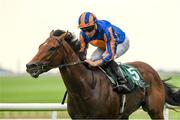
152	26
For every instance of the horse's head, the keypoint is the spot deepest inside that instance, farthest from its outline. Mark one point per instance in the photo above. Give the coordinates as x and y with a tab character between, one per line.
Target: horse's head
50	54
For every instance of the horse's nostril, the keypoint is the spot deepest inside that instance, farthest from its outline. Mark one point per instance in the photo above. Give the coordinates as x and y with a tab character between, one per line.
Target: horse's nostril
31	65
27	65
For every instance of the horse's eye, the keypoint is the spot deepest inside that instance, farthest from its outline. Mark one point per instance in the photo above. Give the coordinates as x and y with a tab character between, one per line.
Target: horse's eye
52	49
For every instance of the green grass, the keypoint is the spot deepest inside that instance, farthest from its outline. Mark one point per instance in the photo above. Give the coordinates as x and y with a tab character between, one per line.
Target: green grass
22	89
47	89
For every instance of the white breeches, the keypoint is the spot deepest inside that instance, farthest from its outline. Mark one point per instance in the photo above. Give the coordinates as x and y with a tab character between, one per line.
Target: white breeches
120	50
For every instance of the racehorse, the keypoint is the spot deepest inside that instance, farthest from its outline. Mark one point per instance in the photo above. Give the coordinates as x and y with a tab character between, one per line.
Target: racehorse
90	93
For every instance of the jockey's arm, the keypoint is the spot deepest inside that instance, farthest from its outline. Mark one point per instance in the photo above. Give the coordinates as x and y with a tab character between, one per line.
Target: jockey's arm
83	44
110	46
110	49
109	56
83	48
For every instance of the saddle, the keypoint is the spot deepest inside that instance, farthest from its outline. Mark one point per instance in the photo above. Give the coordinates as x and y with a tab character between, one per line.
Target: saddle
130	73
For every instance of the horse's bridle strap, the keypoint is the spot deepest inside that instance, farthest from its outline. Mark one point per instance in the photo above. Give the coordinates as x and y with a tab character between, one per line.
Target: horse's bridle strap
70	64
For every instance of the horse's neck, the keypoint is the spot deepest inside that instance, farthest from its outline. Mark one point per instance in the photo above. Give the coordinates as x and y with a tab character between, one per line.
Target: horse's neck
76	77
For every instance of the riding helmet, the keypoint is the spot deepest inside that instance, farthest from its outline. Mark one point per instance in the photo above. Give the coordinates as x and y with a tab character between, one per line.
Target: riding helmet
87	19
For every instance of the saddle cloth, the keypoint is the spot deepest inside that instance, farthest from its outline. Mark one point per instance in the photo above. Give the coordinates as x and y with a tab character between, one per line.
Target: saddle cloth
131	74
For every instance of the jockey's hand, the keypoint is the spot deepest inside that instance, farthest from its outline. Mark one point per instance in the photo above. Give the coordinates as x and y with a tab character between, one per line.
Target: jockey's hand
94	63
82	55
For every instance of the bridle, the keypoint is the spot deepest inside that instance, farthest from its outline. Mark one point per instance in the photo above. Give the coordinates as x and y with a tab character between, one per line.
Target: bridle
61	43
45	64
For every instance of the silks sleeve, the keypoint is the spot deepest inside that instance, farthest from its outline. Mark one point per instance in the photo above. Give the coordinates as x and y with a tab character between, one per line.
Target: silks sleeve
110	46
83	44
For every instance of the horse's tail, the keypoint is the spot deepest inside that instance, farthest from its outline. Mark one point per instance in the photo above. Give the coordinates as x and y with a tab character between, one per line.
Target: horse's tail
172	97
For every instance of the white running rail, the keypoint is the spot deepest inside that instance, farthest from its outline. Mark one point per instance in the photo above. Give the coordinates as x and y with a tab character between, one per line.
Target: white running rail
54	107
32	106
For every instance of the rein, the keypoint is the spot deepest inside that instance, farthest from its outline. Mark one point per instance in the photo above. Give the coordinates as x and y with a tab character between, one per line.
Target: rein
70	64
65	65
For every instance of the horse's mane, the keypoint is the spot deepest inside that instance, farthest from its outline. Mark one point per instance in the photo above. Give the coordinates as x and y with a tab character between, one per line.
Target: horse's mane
70	39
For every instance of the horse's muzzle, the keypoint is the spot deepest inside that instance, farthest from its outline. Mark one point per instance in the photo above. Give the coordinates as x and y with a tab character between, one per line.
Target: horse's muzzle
35	69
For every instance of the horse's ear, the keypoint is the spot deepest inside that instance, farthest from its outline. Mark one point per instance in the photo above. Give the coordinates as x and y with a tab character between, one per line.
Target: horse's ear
65	35
67	32
68	35
51	33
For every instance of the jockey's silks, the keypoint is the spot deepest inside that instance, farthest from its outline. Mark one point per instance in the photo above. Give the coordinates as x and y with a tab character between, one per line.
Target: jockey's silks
107	37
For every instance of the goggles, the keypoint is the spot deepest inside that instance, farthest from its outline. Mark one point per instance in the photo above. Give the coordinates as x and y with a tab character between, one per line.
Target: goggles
88	29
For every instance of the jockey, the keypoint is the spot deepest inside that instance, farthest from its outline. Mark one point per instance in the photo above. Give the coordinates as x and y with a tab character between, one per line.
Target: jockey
111	43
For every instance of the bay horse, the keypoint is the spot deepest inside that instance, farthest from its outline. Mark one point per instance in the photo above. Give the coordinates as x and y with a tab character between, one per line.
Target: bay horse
90	93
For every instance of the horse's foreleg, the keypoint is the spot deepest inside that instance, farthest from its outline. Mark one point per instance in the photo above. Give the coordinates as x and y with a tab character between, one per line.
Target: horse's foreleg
156	115
124	117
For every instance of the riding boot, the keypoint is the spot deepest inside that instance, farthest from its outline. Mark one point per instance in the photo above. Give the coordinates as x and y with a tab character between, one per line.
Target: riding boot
121	81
